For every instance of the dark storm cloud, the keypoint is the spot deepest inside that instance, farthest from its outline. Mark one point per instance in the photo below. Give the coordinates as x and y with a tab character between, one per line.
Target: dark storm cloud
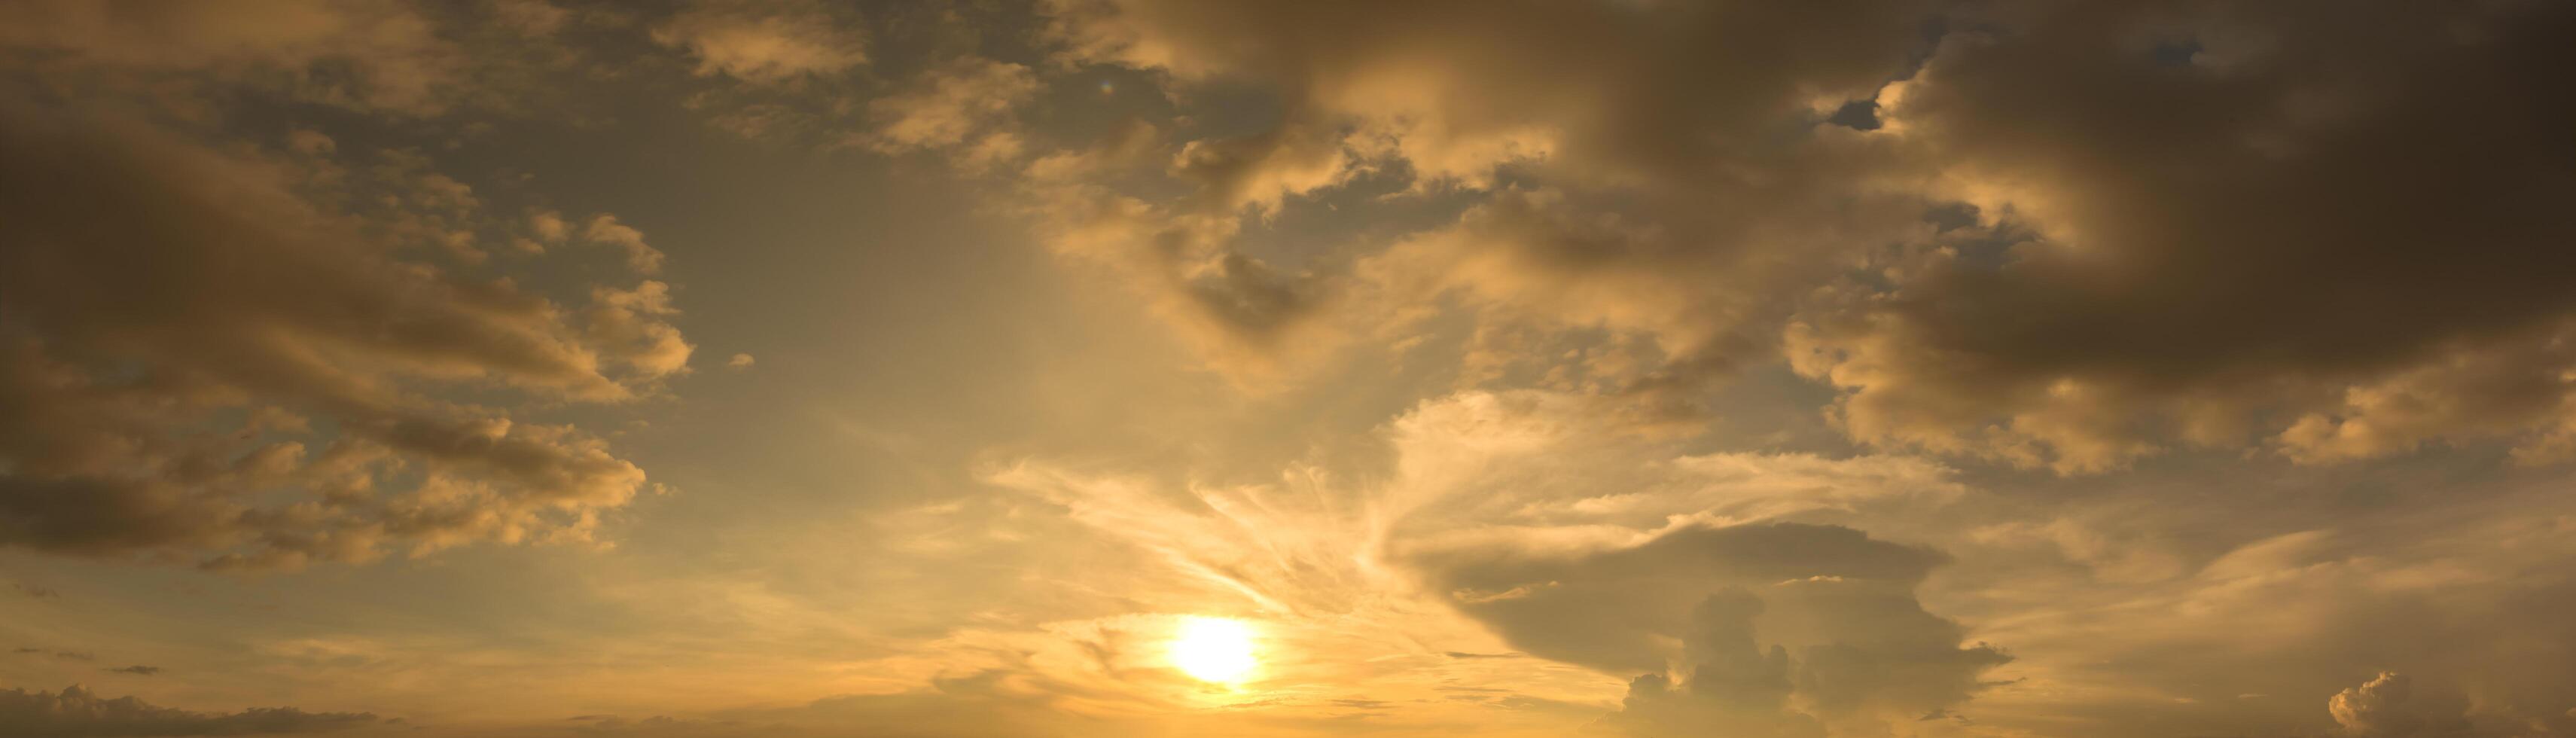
2388	706
76	711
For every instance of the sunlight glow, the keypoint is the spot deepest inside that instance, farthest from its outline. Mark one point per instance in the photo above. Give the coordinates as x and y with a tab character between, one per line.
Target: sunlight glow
1214	649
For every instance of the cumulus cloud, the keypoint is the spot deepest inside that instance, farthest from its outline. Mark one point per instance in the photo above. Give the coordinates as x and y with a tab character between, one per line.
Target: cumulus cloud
604	229
187	332
963	106
1455	89
764	43
76	711
1847	636
2071	237
1735	687
2387	707
1698	201
2229	241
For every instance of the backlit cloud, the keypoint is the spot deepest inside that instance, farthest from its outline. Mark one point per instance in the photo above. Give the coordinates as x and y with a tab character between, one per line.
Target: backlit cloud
1520	368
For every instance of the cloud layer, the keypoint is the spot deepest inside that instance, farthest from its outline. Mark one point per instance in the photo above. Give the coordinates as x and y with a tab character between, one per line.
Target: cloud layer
76	711
191	330
1914	369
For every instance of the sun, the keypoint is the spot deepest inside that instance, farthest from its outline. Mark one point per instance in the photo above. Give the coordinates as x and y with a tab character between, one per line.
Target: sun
1214	649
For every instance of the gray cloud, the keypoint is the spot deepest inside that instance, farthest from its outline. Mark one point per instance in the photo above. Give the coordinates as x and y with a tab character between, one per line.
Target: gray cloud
2317	226
364	55
1735	687
1675	193
1847	640
2150	224
76	711
970	706
181	321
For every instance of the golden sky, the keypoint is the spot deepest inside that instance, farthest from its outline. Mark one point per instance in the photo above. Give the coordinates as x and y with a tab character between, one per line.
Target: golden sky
1107	368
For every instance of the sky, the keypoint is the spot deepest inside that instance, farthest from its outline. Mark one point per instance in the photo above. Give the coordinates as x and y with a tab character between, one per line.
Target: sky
1090	368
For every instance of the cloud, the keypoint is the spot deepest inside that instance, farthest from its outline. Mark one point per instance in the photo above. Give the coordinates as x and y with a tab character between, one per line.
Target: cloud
1258	324
764	43
604	229
2145	615
963	106
1530	515
2077	236
1660	180
372	56
1570	460
1847	635
76	711
1735	687
2230	248
629	327
192	62
1455	89
181	323
973	705
739	362
2387	707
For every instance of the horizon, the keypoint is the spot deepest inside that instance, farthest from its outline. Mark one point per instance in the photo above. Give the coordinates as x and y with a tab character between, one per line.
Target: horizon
1091	368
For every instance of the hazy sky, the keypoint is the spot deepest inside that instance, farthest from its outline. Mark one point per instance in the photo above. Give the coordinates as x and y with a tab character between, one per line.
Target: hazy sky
1012	369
